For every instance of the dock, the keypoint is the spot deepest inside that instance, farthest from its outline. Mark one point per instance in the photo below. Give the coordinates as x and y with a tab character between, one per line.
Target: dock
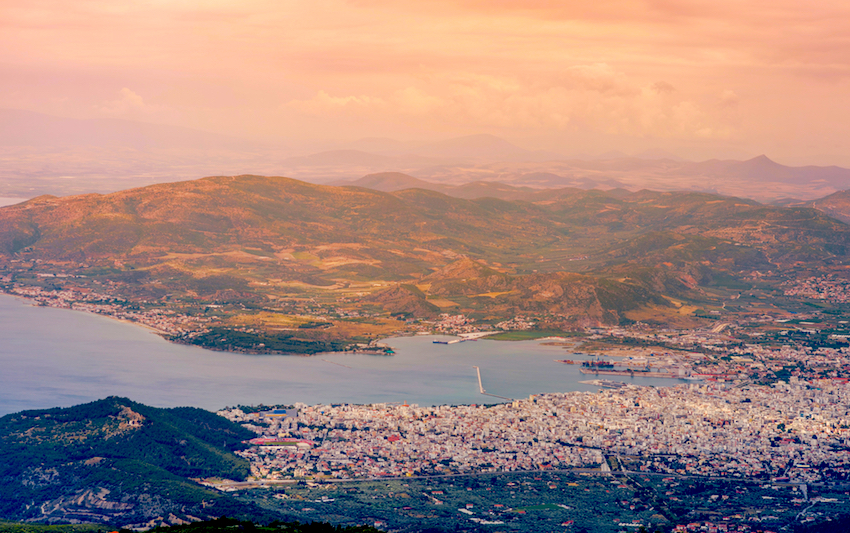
630	373
483	391
468	337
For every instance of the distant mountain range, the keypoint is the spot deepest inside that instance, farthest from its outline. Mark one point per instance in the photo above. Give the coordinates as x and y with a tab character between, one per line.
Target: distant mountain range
759	178
836	205
42	154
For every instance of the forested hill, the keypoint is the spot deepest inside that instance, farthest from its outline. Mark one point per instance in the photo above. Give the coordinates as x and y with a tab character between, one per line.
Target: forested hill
119	462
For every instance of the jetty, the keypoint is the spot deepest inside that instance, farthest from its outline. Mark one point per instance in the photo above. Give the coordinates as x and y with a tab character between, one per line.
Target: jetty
483	391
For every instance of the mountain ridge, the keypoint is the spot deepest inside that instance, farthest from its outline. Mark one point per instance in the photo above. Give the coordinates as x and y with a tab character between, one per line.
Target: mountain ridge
260	245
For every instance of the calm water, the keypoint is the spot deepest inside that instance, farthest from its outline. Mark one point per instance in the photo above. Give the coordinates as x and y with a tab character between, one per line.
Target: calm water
56	357
10	201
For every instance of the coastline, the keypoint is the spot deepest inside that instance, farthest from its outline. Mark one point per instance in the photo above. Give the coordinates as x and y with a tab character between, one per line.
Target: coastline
175	338
33	303
53	358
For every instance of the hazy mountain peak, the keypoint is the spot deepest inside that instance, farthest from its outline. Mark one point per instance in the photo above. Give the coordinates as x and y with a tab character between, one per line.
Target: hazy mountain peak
389	182
763	160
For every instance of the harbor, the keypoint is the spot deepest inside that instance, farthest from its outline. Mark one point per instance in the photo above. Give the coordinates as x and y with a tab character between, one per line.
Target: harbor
628	368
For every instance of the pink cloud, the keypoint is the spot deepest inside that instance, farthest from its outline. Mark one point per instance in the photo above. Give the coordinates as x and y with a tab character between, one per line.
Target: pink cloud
684	69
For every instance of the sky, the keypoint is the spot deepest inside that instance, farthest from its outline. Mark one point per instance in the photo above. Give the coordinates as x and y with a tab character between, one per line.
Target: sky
698	78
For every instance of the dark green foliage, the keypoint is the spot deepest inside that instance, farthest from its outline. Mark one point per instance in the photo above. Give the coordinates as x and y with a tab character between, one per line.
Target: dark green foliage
235	341
115	460
211	284
219	525
314	325
19	527
229	525
839	524
185	441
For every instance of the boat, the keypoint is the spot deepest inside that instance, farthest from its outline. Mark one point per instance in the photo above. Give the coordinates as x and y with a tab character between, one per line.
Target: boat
598	365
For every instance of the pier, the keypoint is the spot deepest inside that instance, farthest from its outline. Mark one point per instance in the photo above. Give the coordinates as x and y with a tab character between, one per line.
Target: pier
483	391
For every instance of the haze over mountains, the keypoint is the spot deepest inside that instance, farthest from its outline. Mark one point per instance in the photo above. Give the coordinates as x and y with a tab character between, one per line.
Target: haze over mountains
42	154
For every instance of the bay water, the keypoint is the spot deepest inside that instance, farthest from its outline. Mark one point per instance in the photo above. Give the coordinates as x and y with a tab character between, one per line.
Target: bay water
5	200
57	358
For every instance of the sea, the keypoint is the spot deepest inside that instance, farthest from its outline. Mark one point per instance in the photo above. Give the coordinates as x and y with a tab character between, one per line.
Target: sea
53	357
5	200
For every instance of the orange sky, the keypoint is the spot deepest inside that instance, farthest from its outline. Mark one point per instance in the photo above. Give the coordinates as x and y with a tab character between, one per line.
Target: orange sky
701	78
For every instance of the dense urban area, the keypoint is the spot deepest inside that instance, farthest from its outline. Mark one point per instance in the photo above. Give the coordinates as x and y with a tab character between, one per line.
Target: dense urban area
798	431
694	457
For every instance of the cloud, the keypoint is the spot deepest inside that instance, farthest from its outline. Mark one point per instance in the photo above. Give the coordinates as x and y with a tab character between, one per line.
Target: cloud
594	96
601	78
729	98
324	103
560	9
128	105
683	69
662	87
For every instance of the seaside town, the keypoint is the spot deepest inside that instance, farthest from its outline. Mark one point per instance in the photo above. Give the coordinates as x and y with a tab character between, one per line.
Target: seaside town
830	288
787	446
797	432
163	321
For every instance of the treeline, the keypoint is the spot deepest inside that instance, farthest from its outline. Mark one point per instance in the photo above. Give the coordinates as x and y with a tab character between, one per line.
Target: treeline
220	525
229	525
243	341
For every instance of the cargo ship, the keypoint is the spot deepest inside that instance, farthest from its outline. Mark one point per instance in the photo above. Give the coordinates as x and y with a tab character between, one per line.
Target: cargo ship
596	365
644	373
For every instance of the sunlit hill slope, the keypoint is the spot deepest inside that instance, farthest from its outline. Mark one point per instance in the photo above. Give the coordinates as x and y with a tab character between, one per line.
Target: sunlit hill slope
585	256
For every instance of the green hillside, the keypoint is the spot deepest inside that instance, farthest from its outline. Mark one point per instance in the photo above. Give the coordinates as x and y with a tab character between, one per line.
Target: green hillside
119	462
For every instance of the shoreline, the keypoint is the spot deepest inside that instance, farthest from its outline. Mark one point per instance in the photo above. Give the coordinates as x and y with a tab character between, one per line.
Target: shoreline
33	303
173	338
56	344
